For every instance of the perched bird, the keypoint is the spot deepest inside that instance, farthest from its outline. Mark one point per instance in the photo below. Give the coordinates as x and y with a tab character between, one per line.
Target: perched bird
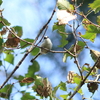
47	44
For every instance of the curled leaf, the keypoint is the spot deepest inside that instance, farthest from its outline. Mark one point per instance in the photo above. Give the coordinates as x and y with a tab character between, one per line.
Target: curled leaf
12	41
27	80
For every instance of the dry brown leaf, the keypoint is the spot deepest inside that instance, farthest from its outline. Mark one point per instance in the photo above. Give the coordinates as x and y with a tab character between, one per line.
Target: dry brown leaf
3	31
27	80
12	41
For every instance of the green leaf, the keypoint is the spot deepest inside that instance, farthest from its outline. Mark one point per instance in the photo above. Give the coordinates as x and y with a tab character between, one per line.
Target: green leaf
63	40
32	69
90	36
80	91
79	48
0	62
91	32
5	21
64	5
64	96
9	58
87	69
35	51
62	86
55	90
98	20
38	81
95	6
27	96
59	27
1	43
19	78
6	91
1	2
24	44
19	30
1	25
77	79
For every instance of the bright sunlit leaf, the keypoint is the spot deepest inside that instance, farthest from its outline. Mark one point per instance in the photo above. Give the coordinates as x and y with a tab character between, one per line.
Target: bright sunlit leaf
98	20
95	6
59	28
24	44
91	31
9	58
64	17
64	96
35	51
64	5
62	86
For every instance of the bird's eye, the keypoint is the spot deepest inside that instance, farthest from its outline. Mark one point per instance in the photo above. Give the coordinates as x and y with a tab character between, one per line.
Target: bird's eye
45	37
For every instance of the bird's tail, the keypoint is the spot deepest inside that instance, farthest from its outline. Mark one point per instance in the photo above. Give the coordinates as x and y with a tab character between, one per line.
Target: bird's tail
35	57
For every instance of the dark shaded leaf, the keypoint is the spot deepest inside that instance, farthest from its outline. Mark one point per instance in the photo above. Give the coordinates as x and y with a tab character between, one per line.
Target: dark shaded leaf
27	96
6	91
1	2
32	69
18	30
5	21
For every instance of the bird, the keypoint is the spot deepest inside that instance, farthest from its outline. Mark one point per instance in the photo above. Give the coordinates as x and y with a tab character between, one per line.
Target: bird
47	44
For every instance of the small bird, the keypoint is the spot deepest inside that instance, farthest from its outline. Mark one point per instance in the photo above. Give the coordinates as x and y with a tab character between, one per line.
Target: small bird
47	44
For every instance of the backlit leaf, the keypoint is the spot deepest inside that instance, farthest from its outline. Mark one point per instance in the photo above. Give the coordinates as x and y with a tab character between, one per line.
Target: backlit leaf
64	5
64	16
95	6
9	58
24	44
18	30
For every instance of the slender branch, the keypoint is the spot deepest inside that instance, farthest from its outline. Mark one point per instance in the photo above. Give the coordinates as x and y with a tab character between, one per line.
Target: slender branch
87	19
15	34
75	49
29	50
83	81
76	60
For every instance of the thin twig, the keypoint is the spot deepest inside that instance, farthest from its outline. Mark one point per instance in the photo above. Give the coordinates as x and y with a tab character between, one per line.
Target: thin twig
87	19
15	34
83	81
76	60
29	50
75	49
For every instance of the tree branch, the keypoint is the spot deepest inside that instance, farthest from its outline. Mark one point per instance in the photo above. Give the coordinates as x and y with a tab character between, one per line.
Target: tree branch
83	81
29	50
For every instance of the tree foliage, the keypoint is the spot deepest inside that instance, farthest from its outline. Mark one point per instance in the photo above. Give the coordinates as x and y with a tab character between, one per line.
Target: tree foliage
68	15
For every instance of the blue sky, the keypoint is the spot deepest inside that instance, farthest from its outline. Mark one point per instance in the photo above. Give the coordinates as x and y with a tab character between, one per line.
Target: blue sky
31	14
